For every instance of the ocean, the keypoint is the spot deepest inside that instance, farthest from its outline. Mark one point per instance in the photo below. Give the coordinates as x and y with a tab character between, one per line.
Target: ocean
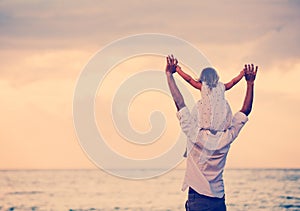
93	190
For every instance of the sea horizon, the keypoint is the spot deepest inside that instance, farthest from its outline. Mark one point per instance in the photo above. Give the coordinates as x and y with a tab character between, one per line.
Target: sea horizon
90	189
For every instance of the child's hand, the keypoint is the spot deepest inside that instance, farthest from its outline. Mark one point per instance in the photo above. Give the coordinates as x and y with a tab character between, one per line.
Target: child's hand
178	68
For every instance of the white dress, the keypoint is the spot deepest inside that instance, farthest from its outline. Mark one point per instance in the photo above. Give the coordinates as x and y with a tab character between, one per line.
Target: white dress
214	111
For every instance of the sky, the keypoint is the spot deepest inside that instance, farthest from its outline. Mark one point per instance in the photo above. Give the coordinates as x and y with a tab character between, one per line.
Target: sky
44	46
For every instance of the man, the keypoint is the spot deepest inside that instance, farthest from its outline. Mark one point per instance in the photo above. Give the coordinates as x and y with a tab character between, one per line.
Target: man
207	150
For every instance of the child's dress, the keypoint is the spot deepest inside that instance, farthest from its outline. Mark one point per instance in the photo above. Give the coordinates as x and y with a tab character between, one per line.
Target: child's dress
214	111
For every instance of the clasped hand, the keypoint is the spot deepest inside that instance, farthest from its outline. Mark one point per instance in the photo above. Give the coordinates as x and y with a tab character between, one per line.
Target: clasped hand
250	72
171	64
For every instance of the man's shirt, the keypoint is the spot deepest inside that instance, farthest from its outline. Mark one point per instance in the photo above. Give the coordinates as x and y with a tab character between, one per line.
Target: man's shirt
207	152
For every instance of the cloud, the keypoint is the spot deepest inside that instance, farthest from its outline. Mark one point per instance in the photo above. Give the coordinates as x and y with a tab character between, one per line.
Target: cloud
278	46
261	31
27	66
215	21
45	44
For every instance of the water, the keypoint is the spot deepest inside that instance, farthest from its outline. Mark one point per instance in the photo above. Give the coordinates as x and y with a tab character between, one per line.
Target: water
87	190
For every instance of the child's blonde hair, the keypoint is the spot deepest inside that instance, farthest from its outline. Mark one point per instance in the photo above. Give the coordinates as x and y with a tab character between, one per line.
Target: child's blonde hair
210	76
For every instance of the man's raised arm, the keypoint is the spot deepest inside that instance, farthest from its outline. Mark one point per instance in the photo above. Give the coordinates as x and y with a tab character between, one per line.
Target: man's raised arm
250	75
177	96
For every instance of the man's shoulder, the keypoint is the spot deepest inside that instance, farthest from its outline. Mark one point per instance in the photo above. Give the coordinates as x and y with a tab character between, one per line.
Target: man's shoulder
239	117
184	111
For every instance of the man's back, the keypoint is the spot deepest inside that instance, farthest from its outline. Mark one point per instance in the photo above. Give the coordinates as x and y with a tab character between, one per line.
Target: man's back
207	152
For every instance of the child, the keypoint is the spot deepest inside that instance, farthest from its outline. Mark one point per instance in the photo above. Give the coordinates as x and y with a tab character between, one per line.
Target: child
214	111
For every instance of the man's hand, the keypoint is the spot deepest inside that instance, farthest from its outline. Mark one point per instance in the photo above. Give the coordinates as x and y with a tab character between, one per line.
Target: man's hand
171	64
250	73
170	69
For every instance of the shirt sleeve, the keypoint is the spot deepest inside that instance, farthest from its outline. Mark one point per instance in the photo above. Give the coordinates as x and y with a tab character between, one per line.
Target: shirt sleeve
183	116
238	122
188	123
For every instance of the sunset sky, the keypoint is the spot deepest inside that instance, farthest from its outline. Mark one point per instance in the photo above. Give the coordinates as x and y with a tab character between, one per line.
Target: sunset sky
44	45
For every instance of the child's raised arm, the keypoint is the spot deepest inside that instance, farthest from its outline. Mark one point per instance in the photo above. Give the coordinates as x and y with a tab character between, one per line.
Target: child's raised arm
188	78
234	81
